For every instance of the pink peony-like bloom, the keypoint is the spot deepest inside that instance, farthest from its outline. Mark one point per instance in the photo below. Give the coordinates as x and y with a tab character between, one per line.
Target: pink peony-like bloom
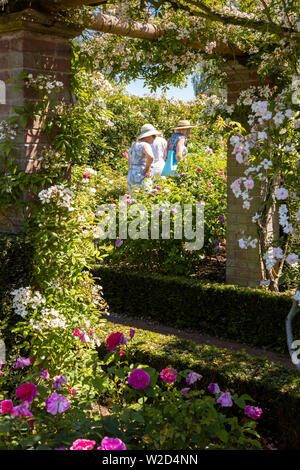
26	392
109	443
139	379
82	444
193	377
253	411
114	340
168	375
125	154
57	404
22	411
23	362
214	388
225	399
58	381
44	374
6	406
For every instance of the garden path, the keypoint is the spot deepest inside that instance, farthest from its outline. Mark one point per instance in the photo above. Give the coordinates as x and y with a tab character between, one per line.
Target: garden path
199	338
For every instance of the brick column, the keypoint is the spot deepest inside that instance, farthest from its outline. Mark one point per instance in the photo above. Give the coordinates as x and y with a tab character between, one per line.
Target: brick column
35	43
242	265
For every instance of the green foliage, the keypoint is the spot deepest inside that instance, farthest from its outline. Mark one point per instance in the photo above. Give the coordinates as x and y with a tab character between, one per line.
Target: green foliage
243	314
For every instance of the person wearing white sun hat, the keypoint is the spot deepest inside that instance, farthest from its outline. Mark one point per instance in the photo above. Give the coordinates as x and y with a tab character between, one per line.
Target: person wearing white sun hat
176	147
141	156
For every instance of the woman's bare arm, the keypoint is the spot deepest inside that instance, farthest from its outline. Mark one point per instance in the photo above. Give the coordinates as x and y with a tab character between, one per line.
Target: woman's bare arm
147	150
179	148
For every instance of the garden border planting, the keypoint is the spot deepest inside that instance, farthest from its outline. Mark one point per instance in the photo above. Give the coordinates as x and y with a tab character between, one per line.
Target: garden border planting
272	386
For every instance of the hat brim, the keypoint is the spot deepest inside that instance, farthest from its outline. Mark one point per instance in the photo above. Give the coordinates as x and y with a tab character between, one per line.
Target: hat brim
147	134
183	127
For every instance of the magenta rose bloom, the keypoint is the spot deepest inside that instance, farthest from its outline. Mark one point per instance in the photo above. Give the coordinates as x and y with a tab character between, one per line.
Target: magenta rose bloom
26	392
139	379
6	406
253	411
225	399
82	444
168	375
109	443
57	404
114	340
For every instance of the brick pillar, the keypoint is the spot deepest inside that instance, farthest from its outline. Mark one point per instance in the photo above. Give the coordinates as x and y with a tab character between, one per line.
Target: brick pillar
242	265
35	43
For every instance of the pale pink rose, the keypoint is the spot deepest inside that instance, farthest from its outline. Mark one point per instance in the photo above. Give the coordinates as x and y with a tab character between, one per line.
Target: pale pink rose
281	193
292	259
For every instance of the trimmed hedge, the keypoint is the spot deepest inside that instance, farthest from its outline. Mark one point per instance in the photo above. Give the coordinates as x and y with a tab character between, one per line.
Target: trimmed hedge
15	271
275	388
247	315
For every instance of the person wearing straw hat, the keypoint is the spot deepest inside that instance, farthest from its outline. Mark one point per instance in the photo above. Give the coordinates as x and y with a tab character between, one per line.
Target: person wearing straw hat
176	147
141	157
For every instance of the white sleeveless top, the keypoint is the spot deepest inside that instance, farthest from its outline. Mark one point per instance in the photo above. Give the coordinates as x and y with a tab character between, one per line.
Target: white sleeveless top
158	149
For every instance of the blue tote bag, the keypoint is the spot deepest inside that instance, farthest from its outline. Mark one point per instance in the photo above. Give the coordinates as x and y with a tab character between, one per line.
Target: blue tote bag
171	162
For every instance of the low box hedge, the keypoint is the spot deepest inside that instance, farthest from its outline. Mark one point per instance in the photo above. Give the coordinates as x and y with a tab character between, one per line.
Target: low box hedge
247	315
274	387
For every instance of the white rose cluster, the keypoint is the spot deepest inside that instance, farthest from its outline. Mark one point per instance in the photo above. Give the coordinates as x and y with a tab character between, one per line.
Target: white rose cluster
51	318
7	131
59	194
24	298
44	83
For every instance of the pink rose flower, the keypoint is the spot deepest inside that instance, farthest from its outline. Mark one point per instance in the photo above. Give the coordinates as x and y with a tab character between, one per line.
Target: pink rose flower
225	399
45	374
253	412
82	444
193	377
76	333
168	375
22	411
214	388
6	406
109	443
23	362
139	379
199	169
57	404
58	381
114	340
26	392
